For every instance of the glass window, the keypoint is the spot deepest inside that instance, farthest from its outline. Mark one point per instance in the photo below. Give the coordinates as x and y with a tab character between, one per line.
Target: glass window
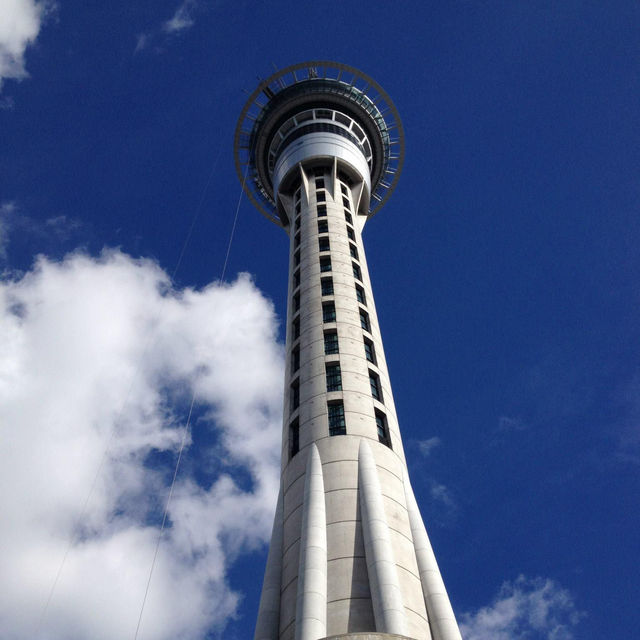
383	429
327	286
328	312
323	244
295	359
331	343
353	250
295	395
298	208
296	240
319	183
296	258
296	328
323	226
322	210
364	320
348	218
376	390
297	224
369	351
321	196
357	274
344	189
296	302
294	437
334	377
360	297
337	425
345	202
352	236
325	264
296	278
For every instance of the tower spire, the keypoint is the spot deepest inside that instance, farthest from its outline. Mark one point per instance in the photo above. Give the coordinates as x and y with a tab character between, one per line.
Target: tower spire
349	551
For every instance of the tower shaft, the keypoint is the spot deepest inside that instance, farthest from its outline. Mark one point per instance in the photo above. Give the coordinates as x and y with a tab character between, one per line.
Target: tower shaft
349	551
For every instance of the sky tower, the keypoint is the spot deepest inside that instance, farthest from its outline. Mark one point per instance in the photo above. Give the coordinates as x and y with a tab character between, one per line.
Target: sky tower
319	147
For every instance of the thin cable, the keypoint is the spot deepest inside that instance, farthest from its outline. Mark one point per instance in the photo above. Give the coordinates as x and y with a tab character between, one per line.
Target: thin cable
235	220
145	350
164	515
184	436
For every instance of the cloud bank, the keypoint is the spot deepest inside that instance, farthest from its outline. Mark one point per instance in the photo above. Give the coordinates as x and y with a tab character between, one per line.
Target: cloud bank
20	22
526	609
99	358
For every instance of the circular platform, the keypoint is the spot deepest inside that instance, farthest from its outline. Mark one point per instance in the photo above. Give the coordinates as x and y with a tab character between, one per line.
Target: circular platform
316	85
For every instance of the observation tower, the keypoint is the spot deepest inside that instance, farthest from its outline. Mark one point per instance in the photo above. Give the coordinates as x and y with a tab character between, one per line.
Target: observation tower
319	147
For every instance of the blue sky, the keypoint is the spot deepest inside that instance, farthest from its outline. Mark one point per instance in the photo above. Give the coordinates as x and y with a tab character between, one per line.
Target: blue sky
505	268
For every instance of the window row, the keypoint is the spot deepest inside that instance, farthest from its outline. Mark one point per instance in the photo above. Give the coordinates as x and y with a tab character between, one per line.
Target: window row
338	426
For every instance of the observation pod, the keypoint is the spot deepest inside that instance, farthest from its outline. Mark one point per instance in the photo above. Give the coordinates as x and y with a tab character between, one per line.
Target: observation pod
319	147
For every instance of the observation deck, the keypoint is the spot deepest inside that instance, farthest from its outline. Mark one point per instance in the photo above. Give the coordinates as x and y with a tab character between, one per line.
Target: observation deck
317	97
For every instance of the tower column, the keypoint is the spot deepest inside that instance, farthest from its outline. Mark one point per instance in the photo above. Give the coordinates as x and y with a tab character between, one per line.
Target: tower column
324	147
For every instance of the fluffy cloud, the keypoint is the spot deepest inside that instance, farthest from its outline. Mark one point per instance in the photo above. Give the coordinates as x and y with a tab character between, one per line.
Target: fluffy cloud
20	22
527	609
182	18
427	446
99	359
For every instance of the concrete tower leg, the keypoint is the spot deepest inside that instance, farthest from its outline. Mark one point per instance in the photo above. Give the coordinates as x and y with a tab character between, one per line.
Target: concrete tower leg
386	594
441	617
311	604
268	625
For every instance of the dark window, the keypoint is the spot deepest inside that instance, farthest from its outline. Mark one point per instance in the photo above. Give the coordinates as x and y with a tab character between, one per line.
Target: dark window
364	320
322	210
328	312
295	359
294	437
298	207
296	328
362	299
295	395
296	258
325	264
352	236
323	226
330	343
383	429
296	278
296	302
357	274
323	244
376	390
369	351
344	189
318	172
337	425
296	240
345	202
353	250
297	224
321	196
348	218
344	177
334	377
327	286
319	183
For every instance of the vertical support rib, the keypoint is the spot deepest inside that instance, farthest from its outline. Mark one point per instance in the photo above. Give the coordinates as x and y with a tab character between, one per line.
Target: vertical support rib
441	617
268	623
386	596
311	603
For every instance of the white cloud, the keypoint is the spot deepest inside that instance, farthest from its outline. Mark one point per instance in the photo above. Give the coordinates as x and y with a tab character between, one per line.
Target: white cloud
102	355
526	609
428	445
20	22
182	18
